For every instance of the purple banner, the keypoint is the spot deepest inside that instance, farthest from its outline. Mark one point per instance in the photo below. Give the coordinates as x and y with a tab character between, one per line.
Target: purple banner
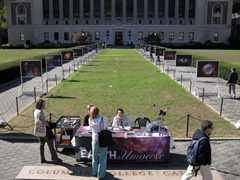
129	149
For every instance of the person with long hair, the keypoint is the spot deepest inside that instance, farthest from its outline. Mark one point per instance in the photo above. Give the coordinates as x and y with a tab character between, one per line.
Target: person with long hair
99	154
40	130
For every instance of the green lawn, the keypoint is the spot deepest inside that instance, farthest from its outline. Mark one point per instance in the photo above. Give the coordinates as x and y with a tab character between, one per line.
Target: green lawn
230	56
8	55
124	79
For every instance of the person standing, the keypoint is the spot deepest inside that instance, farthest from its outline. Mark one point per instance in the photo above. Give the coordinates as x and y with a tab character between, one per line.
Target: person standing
86	118
40	130
232	81
99	154
204	152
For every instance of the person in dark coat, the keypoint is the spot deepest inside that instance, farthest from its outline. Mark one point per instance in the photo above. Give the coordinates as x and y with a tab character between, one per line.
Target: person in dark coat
204	152
232	81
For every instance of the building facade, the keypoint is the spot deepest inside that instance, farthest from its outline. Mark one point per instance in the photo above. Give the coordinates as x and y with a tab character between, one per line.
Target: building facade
119	21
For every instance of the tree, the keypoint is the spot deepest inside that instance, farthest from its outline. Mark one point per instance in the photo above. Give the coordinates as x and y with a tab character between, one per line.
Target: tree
3	17
81	37
153	38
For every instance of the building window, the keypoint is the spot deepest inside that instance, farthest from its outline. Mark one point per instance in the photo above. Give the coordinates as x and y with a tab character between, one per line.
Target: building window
55	8
161	35
140	35
46	36
76	22
45	9
140	8
181	8
66	8
22	37
150	33
216	20
66	22
160	22
97	35
87	22
181	36
217	9
180	22
21	15
118	8
191	36
76	8
107	35
108	8
97	8
170	22
191	22
150	21
140	22
161	8
46	22
192	4
86	8
215	36
171	36
129	8
171	8
66	36
97	21
56	22
150	8
56	36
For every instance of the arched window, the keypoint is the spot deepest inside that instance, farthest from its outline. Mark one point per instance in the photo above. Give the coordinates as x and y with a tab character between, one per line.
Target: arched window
217	9
21	10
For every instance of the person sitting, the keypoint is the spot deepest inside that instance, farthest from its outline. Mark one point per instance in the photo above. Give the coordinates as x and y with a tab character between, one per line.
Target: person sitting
86	118
121	120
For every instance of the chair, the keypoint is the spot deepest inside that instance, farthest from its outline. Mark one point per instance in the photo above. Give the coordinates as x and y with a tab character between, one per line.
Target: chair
141	121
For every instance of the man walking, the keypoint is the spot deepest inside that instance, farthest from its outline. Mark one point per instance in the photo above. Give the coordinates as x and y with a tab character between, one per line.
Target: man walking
232	81
204	152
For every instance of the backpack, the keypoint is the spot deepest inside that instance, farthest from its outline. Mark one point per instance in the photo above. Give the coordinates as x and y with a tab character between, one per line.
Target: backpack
192	154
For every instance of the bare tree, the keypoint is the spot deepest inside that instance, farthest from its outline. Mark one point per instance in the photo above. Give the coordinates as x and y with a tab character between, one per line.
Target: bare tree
3	17
81	37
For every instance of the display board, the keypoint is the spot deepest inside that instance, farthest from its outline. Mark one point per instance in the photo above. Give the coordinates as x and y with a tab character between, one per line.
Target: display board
67	55
208	68
85	50
77	53
152	49
53	60
159	51
31	68
169	55
147	48
183	60
90	48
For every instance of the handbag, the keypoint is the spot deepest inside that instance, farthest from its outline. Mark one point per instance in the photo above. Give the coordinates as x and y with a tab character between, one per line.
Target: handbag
104	136
40	129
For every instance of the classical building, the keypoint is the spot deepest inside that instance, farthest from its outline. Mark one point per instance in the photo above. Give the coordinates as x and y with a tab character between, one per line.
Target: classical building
119	21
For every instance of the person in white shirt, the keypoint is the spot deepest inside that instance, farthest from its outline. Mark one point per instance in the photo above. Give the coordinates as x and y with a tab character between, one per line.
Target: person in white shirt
121	120
99	154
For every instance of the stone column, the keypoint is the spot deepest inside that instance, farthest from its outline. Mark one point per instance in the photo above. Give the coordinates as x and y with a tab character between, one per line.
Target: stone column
61	12
156	12
124	13
145	12
92	12
81	13
166	12
71	12
134	11
113	20
186	12
102	12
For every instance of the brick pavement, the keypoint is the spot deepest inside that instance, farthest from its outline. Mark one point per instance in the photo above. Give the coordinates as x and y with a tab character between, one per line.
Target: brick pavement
14	155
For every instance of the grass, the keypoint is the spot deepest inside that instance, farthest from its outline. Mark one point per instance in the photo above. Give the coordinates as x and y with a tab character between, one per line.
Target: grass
9	55
124	79
230	56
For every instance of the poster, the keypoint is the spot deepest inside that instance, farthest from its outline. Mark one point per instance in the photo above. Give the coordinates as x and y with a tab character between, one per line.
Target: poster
159	51
77	53
207	68
53	60
147	48
169	55
89	48
67	55
31	68
184	60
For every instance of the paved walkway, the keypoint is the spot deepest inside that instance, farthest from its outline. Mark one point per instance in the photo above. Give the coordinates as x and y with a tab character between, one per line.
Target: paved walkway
14	155
25	94
186	76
